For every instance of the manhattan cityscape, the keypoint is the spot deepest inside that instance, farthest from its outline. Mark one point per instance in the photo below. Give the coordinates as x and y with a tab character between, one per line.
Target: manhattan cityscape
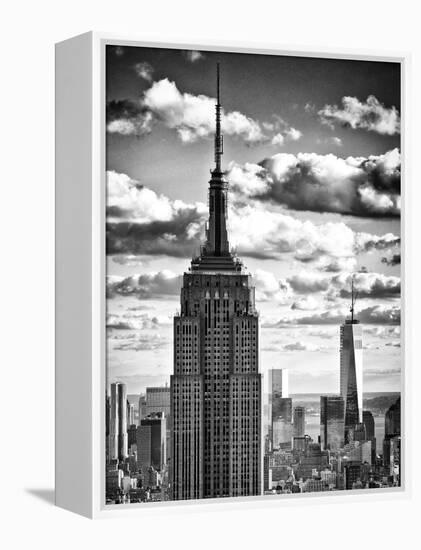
278	378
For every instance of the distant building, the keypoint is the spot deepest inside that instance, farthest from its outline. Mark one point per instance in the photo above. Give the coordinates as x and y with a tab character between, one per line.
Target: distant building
158	400
131	414
392	425
141	408
392	429
369	423
282	428
152	442
117	438
370	429
301	443
352	474
299	421
359	432
351	374
331	422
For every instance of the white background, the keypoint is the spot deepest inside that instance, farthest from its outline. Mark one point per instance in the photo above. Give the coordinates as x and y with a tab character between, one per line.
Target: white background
29	31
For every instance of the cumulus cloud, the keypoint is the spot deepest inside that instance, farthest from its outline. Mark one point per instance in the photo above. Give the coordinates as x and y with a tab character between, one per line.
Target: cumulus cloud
269	288
368	285
299	346
373	315
127	117
358	186
191	116
145	286
144	70
140	221
143	343
370	115
132	322
288	134
193	55
394	259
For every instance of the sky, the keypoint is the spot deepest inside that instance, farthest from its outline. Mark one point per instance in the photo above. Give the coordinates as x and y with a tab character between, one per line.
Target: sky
312	155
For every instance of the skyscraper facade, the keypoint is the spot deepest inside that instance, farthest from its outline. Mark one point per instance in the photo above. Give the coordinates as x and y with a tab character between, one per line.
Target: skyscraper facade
331	422
278	390
158	400
299	421
151	442
117	437
351	375
216	385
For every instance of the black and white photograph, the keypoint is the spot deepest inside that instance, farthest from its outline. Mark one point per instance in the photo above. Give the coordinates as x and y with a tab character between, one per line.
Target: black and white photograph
253	275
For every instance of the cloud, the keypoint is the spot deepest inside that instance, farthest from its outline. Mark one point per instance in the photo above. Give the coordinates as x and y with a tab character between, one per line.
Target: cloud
370	115
130	321
145	286
127	117
127	259
119	51
144	70
193	55
143	343
193	116
269	288
394	259
299	346
374	315
288	134
305	304
384	332
308	282
140	221
368	285
358	186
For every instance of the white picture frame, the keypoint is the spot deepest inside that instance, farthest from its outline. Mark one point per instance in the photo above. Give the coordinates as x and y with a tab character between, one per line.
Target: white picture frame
80	277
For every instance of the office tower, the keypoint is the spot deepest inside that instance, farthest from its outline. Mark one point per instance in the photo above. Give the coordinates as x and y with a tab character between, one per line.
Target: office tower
370	429
216	386
118	442
331	422
158	400
130	419
142	408
152	442
368	420
392	424
351	375
131	435
392	428
352	472
359	432
282	429
299	421
313	460
278	390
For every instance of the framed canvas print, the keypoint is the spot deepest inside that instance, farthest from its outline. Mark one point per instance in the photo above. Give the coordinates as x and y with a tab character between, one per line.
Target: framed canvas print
229	288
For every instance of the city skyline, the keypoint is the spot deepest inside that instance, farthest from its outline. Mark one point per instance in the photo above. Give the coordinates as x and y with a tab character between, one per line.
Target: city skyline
291	134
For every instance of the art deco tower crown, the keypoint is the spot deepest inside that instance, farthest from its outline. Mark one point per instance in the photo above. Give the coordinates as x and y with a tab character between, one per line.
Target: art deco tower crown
216	254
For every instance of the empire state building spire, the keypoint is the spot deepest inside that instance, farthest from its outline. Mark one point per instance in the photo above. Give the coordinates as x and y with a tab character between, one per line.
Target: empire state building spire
217	237
215	254
219	139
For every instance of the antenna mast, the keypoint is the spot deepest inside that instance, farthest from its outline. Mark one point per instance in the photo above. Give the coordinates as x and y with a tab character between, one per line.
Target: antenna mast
353	299
219	139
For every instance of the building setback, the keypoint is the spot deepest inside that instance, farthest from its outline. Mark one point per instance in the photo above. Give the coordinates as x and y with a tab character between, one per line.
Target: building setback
216	386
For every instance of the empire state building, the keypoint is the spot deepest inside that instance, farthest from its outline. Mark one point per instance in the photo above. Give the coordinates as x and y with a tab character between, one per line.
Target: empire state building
216	385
